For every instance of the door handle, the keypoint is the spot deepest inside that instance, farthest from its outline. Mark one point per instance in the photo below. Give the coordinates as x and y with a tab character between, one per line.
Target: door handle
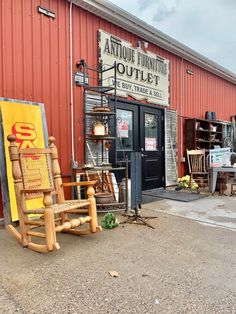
143	155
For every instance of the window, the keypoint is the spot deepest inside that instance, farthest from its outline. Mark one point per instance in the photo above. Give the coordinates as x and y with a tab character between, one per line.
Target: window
125	130
151	132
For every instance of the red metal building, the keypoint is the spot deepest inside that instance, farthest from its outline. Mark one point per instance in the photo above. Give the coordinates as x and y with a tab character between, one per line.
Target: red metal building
38	56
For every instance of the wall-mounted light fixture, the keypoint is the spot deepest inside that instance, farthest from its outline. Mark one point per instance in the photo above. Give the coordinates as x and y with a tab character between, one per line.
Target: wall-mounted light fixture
142	44
46	12
139	44
145	44
190	72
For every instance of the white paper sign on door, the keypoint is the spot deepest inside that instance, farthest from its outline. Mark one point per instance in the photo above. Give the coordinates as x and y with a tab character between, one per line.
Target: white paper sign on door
123	129
150	143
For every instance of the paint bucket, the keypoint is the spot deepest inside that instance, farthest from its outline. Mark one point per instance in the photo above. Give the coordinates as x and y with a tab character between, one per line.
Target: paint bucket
208	115
213	116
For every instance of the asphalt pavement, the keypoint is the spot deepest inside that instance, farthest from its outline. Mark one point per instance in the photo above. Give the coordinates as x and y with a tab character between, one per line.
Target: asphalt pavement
181	266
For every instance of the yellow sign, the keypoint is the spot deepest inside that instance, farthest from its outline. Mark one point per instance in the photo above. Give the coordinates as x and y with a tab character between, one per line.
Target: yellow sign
25	122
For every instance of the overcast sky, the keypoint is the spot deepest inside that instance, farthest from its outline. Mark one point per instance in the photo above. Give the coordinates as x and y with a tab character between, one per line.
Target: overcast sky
207	26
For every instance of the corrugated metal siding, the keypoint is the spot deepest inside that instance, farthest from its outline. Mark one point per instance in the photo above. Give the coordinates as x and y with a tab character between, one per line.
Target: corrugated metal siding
205	92
93	149
34	65
34	60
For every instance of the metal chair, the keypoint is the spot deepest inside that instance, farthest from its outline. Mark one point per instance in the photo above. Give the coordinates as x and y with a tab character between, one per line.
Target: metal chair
36	174
197	167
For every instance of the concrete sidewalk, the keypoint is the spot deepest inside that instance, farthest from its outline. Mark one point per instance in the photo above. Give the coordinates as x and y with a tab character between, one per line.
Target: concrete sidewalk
212	210
182	266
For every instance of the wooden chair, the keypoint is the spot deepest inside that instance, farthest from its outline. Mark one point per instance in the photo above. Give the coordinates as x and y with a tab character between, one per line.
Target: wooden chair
197	167
36	173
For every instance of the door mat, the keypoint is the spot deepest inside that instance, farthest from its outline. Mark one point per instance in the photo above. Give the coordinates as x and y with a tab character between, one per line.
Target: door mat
149	199
173	195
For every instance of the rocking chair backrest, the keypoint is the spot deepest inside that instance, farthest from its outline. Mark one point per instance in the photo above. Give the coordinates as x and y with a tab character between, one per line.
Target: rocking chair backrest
196	161
36	168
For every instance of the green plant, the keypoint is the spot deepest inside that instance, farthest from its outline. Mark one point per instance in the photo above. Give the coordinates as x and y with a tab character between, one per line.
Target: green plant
109	221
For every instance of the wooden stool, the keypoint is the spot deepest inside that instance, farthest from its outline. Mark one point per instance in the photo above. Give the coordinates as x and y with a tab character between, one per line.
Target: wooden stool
233	191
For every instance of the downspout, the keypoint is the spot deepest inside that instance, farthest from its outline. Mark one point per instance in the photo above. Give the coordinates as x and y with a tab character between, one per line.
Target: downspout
71	86
182	159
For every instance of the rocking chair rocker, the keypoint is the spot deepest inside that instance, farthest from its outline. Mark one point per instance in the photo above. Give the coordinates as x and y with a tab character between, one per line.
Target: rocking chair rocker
36	173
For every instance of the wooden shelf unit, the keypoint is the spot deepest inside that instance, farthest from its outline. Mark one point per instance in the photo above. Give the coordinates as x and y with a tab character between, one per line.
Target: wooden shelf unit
200	133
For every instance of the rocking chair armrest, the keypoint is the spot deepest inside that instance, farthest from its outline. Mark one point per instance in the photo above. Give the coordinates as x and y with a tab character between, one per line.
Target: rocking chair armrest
28	191
82	183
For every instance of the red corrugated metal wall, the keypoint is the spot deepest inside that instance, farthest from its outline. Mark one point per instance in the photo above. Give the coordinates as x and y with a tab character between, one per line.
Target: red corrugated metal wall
34	63
34	66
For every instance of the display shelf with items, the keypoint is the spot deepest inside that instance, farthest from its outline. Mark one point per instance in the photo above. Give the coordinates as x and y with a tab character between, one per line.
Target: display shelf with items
197	134
99	138
215	134
201	133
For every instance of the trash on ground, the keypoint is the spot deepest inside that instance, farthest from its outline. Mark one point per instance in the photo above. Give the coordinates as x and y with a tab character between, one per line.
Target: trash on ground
157	301
113	273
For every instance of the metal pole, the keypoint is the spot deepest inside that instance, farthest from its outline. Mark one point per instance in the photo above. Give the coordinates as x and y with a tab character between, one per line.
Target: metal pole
71	84
126	184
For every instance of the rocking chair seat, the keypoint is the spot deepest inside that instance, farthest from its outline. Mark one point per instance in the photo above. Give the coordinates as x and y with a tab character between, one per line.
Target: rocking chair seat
59	208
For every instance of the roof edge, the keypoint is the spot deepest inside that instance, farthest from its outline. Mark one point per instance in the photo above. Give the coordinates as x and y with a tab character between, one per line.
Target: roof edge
125	20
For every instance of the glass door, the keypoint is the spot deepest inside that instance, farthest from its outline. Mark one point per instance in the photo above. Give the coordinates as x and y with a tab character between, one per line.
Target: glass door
152	147
139	128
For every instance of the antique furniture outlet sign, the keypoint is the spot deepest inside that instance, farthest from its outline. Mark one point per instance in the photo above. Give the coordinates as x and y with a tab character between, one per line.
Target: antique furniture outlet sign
140	74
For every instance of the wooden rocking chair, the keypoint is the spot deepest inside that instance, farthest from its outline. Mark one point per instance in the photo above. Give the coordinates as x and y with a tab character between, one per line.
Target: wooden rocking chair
36	173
